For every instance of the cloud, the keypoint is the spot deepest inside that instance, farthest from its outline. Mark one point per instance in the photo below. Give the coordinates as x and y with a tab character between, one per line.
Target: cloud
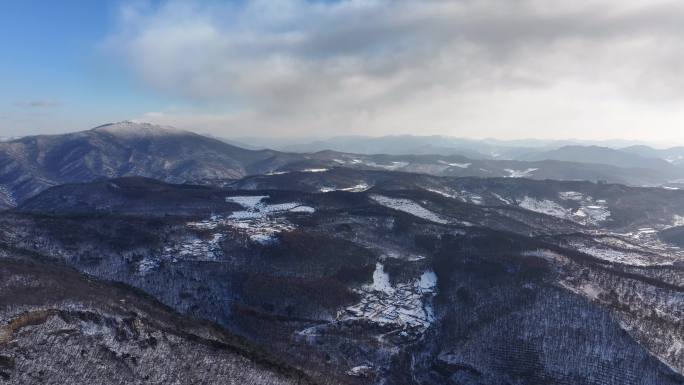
37	103
441	66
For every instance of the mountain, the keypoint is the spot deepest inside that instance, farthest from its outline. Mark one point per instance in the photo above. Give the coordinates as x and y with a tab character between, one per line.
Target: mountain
600	155
413	144
456	165
373	276
397	145
62	327
31	164
674	155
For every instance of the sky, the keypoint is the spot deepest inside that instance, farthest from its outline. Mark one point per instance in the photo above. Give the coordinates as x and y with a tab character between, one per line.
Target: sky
508	69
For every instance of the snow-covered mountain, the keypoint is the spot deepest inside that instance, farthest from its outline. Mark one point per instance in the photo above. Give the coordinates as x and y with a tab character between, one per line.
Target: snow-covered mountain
29	165
369	276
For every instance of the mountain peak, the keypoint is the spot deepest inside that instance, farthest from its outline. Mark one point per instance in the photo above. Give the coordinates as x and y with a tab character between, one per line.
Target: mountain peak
131	128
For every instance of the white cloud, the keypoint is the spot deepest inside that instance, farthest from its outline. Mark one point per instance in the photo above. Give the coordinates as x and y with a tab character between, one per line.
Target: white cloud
504	68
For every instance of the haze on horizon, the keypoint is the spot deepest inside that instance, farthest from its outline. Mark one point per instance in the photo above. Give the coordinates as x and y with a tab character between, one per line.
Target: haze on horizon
594	70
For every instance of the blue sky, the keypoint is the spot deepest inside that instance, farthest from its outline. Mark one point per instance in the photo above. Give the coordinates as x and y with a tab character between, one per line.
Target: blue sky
55	75
595	69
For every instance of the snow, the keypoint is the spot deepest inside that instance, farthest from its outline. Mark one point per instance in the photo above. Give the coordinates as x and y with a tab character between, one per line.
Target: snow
314	170
444	194
428	281
544	206
571	195
356	188
133	129
248	202
590	212
596	214
677	220
407	306
303	209
381	280
259	222
623	257
459	165
360	371
263	239
502	199
255	208
410	207
147	264
391	166
591	291
520	173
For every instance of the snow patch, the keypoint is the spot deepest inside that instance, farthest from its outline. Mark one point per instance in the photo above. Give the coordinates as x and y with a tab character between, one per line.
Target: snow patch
677	220
410	207
571	195
544	206
381	280
623	257
459	165
356	188
390	166
148	264
360	371
520	173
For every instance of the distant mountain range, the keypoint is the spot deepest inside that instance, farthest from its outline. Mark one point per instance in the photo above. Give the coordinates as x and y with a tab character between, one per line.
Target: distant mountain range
31	164
613	152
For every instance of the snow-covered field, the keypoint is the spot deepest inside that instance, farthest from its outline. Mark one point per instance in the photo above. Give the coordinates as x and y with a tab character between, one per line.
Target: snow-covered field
410	207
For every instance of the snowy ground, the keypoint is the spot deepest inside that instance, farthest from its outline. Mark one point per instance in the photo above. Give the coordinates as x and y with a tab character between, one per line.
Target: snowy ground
390	166
410	207
591	212
463	196
520	173
258	222
407	306
545	206
459	165
356	188
622	256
